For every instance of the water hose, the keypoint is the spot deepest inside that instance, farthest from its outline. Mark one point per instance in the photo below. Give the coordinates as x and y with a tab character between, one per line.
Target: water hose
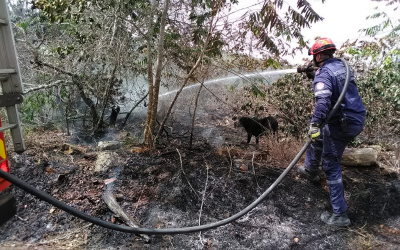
150	231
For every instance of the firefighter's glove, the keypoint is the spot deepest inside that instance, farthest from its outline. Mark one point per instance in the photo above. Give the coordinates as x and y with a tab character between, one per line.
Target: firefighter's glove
311	75
314	132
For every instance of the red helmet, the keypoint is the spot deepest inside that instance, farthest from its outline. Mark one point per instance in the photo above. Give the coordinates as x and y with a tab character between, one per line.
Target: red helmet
321	45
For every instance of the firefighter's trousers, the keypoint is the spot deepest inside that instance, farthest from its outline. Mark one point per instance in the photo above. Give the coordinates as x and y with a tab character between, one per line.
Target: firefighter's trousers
330	147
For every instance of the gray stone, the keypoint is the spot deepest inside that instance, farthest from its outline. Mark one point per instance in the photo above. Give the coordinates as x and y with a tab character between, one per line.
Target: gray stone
376	148
359	157
109	145
387	170
71	149
396	185
106	160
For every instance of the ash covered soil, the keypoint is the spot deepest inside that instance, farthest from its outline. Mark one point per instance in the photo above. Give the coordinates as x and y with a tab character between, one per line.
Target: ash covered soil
165	189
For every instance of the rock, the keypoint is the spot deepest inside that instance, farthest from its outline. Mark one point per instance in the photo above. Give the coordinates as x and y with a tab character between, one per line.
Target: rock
238	162
361	186
396	185
105	160
359	157
92	156
377	148
387	170
258	155
138	149
151	169
109	145
108	181
71	149
244	168
230	152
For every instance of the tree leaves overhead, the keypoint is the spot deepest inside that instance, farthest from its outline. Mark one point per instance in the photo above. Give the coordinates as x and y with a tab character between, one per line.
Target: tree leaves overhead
269	43
273	25
298	18
388	23
390	2
374	30
309	14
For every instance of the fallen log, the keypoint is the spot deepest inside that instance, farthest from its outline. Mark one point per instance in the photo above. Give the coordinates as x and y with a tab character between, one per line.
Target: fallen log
113	205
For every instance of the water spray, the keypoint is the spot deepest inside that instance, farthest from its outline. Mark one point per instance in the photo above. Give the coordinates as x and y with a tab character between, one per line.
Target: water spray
151	231
249	75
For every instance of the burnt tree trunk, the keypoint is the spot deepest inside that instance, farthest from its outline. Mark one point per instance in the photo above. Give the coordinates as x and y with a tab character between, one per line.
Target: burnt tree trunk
106	96
134	106
148	133
89	102
155	88
194	113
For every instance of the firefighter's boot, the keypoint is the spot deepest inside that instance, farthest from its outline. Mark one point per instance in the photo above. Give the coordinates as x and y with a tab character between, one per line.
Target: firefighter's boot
339	220
312	177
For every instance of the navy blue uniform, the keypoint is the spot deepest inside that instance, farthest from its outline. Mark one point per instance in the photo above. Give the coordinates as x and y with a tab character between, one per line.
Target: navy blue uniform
328	84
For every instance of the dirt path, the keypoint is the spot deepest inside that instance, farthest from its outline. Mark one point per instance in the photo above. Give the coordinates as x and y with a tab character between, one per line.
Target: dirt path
159	192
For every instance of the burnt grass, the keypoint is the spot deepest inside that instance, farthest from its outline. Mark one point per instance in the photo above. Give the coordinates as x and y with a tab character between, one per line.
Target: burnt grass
158	192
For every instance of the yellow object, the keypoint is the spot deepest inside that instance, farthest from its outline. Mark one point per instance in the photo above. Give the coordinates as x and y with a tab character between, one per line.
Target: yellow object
2	150
313	136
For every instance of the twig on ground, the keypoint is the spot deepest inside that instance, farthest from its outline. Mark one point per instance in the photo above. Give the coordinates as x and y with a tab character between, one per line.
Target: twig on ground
230	167
202	201
180	158
22	218
170	241
354	231
113	205
383	208
137	203
361	229
64	235
204	194
254	171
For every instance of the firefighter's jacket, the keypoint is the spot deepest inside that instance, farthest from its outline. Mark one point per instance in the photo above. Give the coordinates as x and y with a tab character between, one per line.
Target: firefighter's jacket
328	84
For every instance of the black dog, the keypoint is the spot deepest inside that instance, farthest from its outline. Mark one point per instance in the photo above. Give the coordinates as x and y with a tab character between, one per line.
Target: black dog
257	127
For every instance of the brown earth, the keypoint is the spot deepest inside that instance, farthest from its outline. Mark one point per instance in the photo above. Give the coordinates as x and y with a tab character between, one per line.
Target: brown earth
159	191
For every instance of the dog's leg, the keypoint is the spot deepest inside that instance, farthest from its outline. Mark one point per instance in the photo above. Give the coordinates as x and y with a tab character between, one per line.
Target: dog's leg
248	138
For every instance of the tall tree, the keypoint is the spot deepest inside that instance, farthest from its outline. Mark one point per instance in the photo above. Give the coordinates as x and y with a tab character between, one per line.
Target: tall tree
76	41
155	88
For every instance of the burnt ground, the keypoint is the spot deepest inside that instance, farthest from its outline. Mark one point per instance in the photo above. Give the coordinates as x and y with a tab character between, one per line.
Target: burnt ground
216	178
159	192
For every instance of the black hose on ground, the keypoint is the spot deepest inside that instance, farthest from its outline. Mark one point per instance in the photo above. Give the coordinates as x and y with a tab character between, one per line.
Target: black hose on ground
59	204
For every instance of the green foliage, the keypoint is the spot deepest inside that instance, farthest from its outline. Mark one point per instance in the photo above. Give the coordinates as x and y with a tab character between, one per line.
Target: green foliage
271	63
380	91
23	25
378	63
36	105
293	98
60	10
256	89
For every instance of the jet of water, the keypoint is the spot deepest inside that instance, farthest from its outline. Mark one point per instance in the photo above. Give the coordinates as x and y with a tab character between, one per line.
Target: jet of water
245	76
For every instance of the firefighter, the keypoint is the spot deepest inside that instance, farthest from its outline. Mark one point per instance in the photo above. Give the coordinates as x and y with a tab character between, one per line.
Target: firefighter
329	142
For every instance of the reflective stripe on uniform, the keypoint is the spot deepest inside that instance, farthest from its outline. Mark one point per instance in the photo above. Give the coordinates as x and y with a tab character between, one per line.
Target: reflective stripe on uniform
334	181
321	92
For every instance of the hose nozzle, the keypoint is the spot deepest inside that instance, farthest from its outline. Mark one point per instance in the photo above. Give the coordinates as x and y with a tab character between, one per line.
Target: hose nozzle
305	69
